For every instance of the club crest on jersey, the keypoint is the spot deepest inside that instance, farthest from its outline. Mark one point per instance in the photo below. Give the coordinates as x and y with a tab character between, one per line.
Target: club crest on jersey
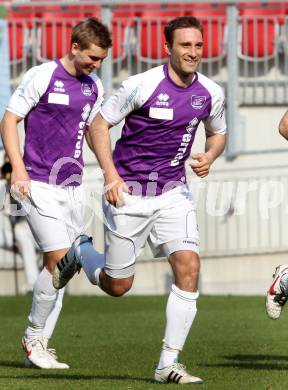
87	89
59	86
198	101
162	100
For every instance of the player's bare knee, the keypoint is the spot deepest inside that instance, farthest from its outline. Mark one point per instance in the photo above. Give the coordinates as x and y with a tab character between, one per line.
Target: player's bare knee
118	287
50	267
50	259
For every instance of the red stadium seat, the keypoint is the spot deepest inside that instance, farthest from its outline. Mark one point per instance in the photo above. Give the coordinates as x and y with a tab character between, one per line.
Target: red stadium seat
213	18
53	39
55	25
16	32
54	36
123	22
23	13
258	36
259	25
20	21
276	10
150	35
140	9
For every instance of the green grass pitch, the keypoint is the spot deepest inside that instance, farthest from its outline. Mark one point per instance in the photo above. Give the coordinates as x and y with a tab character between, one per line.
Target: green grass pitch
114	343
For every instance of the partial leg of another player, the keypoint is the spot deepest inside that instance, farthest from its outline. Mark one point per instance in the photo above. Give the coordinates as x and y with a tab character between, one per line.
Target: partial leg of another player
277	294
26	246
45	298
47	334
56	217
180	313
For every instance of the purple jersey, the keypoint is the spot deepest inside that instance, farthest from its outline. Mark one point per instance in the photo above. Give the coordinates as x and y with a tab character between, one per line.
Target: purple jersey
57	107
161	120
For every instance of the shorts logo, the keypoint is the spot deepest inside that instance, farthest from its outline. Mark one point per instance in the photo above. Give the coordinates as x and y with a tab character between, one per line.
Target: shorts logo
198	101
87	89
190	242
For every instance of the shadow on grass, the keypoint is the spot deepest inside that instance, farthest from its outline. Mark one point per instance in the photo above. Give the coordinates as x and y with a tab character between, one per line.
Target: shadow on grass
7	363
244	358
254	362
37	374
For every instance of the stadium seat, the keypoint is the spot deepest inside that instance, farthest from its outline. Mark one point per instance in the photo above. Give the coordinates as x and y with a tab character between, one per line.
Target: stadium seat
53	38
150	36
139	9
213	18
53	34
277	10
259	30
21	13
16	32
123	23
258	38
20	22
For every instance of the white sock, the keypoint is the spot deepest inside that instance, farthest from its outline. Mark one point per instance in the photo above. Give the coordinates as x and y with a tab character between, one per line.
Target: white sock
26	246
284	283
92	261
54	315
44	297
180	313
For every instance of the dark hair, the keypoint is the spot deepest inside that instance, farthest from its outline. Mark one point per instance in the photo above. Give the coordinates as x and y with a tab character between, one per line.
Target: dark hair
91	31
181	22
6	170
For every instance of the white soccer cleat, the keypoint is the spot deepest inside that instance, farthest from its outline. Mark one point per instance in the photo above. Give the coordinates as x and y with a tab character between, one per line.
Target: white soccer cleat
276	298
176	373
38	355
35	353
54	360
67	267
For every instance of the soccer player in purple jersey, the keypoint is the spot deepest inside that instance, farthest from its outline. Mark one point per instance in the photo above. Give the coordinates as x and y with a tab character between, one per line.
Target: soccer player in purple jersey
277	294
58	101
146	196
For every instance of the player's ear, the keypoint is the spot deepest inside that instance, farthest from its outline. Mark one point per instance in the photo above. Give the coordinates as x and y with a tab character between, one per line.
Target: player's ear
74	48
167	49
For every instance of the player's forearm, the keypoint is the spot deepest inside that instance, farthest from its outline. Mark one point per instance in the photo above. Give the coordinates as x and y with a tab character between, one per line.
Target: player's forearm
103	151
10	139
215	145
283	126
101	146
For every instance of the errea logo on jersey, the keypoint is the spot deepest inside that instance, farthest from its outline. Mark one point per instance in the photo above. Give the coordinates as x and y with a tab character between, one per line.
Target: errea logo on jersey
163	100
59	86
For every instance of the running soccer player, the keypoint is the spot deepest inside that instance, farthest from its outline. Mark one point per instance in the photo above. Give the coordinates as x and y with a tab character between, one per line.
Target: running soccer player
58	100
277	294
147	197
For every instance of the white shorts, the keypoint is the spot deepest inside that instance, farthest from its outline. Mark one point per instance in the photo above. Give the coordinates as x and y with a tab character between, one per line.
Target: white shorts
167	221
55	214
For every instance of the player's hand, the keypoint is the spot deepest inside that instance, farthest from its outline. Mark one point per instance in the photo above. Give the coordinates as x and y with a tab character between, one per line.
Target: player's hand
20	184
201	164
114	187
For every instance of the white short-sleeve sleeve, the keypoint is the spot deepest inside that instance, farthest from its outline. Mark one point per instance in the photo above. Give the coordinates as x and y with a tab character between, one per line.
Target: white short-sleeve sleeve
34	84
98	103
125	100
216	122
